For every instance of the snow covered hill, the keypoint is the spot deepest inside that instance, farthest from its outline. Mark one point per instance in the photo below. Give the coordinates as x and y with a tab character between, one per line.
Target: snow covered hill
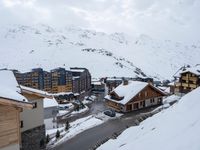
117	54
176	128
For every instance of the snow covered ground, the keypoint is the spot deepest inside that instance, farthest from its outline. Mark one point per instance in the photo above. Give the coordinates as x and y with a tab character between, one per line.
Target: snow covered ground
78	126
85	109
176	128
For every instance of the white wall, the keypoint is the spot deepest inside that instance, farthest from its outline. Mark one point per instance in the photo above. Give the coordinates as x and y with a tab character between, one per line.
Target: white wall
32	117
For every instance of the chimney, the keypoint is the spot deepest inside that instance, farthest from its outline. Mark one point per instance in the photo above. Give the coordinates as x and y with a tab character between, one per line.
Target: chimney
125	82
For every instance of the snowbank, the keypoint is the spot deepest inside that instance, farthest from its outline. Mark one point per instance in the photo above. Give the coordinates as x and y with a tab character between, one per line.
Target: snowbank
76	127
85	109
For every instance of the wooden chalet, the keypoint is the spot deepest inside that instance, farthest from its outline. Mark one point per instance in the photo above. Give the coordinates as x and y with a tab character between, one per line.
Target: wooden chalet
134	95
12	104
188	79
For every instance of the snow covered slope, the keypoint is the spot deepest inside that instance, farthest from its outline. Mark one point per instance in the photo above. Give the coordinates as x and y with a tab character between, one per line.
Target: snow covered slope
117	54
176	128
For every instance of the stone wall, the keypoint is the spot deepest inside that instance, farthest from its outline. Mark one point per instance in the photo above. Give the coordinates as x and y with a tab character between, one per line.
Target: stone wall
33	139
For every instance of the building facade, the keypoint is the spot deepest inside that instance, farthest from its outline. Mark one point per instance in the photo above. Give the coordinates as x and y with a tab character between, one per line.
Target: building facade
187	80
134	95
32	121
81	80
77	80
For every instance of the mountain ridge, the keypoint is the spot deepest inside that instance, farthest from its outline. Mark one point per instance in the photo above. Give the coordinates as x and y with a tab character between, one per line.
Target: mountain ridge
103	54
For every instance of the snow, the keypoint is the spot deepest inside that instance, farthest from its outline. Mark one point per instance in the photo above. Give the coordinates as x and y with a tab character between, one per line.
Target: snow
127	92
111	56
86	102
50	102
63	112
61	93
195	70
34	90
76	127
171	99
77	70
167	90
9	87
172	129
85	109
79	126
97	83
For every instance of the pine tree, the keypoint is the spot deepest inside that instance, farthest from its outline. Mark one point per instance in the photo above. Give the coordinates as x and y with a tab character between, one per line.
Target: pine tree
67	125
47	138
57	134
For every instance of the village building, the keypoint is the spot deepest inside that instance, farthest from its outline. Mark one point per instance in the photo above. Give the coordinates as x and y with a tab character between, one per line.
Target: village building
32	121
12	102
112	83
81	81
187	79
134	95
98	86
77	80
50	108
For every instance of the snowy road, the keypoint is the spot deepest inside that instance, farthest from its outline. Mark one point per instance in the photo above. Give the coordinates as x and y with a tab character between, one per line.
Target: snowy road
91	137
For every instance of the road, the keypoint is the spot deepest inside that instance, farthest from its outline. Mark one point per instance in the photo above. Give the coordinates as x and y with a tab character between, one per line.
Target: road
95	107
87	139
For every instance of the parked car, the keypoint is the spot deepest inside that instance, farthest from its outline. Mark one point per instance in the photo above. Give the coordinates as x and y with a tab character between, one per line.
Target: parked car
110	113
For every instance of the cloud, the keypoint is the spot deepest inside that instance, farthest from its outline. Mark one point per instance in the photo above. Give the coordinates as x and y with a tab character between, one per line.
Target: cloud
167	19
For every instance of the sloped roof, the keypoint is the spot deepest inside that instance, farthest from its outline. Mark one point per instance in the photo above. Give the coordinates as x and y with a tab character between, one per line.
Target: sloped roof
35	91
9	87
50	102
10	92
127	92
194	69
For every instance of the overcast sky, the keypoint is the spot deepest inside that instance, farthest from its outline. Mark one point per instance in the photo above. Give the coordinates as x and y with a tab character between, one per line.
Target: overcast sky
167	19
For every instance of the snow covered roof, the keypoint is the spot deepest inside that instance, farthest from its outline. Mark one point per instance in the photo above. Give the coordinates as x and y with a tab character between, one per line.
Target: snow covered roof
127	92
114	79
76	77
35	91
97	83
50	102
62	93
171	84
195	70
77	70
175	128
10	93
9	87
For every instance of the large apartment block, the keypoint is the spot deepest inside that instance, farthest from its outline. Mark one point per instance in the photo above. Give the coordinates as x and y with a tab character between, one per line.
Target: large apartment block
77	80
81	80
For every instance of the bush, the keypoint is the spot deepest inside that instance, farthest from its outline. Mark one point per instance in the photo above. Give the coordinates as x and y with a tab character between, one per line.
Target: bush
67	126
57	134
47	138
42	144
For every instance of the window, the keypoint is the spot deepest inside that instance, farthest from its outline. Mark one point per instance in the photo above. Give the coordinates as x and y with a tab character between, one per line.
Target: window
152	100
35	105
146	94
139	94
21	124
